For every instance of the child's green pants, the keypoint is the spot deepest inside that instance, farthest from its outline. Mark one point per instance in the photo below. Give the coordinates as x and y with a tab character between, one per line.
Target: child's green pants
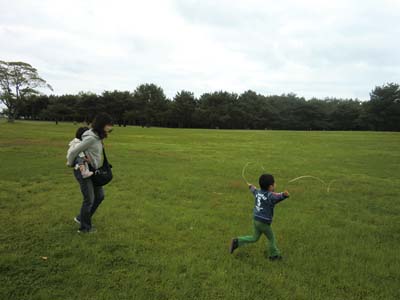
259	228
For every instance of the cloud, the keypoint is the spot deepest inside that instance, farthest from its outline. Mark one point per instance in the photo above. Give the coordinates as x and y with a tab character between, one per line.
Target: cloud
313	48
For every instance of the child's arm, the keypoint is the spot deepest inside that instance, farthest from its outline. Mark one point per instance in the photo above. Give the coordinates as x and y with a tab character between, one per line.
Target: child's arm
252	188
278	197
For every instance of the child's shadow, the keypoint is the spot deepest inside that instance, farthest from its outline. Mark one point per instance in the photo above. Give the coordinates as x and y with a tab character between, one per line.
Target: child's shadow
246	257
253	259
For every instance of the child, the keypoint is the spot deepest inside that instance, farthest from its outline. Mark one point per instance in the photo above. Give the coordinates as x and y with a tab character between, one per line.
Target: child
265	200
81	162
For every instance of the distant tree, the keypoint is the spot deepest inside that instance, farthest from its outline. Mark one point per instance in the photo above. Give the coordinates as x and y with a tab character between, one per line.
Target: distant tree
182	109
18	80
315	116
33	106
288	110
215	109
382	112
72	102
346	115
151	104
247	112
57	110
131	117
116	103
89	105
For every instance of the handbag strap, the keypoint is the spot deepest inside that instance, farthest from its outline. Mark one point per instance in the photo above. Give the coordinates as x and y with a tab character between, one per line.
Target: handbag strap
105	161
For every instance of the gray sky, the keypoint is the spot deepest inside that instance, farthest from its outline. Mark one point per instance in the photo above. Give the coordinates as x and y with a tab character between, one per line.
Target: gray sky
312	48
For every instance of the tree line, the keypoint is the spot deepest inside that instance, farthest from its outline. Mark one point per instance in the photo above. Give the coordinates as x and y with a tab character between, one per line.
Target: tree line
148	106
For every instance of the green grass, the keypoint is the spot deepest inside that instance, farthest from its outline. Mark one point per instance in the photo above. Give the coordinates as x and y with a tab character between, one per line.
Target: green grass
176	201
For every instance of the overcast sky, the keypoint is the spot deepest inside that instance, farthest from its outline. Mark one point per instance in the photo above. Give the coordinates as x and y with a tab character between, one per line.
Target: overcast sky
311	48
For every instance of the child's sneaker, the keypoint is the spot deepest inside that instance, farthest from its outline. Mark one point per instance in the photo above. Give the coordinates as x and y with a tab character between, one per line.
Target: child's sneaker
86	174
275	257
234	245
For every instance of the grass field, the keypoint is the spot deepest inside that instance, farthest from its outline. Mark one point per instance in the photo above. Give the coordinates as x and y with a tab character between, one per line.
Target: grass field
177	199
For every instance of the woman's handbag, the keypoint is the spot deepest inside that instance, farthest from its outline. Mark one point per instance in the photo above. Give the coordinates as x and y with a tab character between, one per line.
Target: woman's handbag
102	175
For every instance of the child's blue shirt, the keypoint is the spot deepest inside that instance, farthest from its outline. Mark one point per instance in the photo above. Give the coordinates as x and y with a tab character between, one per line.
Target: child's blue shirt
264	203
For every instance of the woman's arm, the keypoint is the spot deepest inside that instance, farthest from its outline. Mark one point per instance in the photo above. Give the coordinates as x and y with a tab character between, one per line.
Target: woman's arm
81	147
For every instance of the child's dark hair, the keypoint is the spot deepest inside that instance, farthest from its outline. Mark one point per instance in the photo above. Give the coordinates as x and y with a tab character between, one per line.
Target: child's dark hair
265	181
99	122
80	131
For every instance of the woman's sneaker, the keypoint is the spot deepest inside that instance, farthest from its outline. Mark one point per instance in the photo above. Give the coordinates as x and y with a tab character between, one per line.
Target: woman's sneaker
91	230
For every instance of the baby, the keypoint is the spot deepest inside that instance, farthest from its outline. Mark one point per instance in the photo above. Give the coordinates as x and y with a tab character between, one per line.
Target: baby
81	160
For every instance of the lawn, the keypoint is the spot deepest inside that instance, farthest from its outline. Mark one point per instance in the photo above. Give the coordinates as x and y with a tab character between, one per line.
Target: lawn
177	199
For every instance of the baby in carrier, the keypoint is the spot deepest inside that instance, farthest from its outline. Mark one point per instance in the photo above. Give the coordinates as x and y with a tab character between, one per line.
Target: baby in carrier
81	160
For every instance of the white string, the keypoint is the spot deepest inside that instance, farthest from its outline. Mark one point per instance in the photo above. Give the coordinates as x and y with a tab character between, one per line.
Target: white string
306	176
292	180
243	170
329	185
309	176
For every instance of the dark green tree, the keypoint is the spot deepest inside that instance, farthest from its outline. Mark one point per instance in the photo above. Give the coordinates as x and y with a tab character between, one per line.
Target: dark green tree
151	104
382	112
88	106
57	111
117	103
214	109
346	115
33	106
182	109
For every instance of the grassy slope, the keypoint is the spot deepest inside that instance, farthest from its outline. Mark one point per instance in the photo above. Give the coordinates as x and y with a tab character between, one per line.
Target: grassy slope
178	198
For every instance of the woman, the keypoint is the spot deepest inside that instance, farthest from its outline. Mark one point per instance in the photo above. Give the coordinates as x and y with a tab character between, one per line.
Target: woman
92	145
